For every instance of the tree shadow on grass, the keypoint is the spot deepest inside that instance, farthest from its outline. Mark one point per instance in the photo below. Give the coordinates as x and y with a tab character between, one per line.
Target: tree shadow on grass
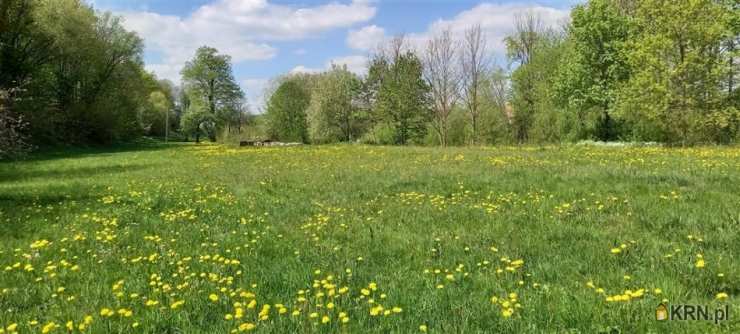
29	174
19	206
64	152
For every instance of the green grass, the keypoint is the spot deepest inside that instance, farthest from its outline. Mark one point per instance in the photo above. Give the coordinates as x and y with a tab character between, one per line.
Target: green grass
182	222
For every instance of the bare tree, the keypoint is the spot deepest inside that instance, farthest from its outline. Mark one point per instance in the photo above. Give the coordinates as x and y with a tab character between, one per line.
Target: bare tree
443	77
520	47
528	27
391	49
475	62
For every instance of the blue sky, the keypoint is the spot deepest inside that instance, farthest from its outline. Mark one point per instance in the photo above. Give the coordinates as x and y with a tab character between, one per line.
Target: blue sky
267	38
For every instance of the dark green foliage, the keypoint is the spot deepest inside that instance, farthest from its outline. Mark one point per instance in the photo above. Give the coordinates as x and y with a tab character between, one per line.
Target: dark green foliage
76	76
209	81
335	114
402	97
286	111
595	65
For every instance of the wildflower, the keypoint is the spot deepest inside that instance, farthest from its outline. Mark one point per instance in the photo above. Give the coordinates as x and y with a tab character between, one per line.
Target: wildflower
213	297
151	303
423	328
125	313
325	319
247	326
177	304
106	312
721	296
49	327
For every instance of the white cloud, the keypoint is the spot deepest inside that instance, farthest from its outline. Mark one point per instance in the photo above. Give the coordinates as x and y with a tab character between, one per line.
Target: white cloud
355	64
300	52
366	38
255	89
496	21
239	28
304	69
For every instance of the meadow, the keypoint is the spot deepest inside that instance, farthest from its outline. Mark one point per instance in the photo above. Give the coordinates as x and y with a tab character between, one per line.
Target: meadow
186	238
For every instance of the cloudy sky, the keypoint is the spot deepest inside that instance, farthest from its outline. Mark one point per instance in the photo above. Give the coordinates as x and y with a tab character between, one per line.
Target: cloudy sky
266	38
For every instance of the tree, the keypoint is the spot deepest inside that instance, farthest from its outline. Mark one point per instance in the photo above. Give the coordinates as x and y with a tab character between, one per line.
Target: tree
70	70
13	136
495	116
443	79
334	114
286	110
198	122
402	99
208	77
596	64
24	46
675	92
154	118
475	62
521	46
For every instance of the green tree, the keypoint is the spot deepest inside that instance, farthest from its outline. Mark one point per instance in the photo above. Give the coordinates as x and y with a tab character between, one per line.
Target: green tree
198	122
675	92
208	77
521	47
595	65
286	110
402	99
333	114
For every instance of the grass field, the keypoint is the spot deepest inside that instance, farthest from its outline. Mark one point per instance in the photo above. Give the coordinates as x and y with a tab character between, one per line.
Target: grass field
360	239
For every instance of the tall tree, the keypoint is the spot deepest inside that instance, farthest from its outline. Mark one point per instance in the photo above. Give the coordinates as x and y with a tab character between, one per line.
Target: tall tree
443	78
521	47
403	96
286	111
475	62
209	78
334	113
675	93
596	64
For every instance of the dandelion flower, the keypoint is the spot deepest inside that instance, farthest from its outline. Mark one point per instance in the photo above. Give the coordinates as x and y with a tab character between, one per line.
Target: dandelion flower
247	326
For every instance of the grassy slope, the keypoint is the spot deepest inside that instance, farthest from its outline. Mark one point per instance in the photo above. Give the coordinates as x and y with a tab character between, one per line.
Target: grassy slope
386	214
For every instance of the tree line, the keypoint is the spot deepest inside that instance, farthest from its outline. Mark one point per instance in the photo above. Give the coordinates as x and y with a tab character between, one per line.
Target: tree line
71	75
628	70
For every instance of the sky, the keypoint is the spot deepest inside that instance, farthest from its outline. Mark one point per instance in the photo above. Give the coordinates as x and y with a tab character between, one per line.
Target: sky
267	38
